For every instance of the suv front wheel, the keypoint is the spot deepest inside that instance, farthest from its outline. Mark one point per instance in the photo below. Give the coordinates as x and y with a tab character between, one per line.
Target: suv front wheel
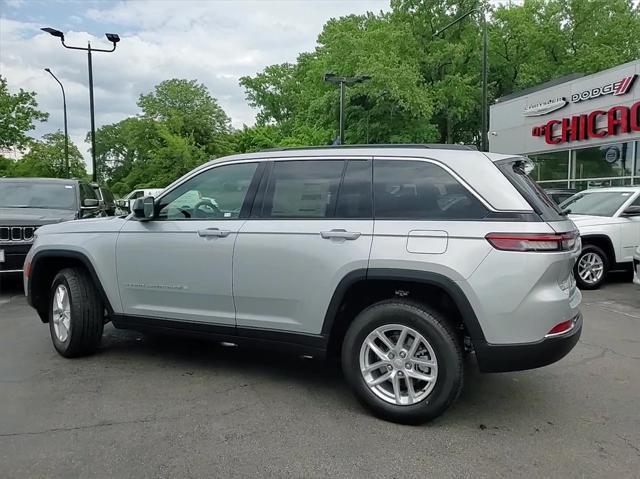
76	314
591	268
403	361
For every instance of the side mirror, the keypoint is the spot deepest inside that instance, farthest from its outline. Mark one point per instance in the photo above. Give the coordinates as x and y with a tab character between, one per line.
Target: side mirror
90	203
144	208
631	211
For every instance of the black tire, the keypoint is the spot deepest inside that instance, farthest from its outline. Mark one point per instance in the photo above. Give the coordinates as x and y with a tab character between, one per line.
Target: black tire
443	340
87	314
587	249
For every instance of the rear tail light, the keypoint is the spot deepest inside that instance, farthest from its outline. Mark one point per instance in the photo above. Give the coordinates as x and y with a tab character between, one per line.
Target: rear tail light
561	328
533	241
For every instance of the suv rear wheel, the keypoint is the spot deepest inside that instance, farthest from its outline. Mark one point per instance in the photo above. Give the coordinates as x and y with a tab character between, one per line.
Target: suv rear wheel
76	314
591	267
403	361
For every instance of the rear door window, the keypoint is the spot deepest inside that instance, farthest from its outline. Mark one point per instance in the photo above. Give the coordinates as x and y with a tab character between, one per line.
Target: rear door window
302	189
515	169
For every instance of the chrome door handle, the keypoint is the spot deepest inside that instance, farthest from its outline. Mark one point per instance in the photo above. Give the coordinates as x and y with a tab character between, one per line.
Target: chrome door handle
340	234
216	232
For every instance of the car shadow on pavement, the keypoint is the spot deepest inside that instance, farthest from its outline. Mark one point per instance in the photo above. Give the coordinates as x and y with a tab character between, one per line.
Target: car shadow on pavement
510	394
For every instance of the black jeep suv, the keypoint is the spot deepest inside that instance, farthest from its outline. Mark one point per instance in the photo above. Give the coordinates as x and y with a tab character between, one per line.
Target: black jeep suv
28	203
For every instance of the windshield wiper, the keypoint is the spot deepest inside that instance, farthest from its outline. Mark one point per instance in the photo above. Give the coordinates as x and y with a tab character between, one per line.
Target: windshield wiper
15	206
565	212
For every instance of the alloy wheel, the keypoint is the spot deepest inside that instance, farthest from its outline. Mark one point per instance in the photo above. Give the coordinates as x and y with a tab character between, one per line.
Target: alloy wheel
61	310
398	364
591	268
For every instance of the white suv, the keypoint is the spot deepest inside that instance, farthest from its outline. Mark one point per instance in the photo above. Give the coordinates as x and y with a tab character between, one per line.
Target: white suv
609	224
394	259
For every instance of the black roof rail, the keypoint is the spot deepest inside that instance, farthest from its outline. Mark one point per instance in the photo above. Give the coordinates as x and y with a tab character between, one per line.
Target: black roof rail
431	146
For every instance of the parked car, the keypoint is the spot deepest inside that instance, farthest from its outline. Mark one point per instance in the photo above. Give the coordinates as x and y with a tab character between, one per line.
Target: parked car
609	224
126	202
560	195
107	202
28	203
395	259
636	266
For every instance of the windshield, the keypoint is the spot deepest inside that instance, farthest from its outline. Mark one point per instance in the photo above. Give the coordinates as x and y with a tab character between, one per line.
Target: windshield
17	194
596	203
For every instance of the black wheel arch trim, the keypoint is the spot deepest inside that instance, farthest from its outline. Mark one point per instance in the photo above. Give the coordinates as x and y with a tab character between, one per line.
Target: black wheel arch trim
60	253
589	238
469	317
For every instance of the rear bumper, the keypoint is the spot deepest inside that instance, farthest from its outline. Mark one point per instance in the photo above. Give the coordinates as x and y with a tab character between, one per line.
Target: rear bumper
495	358
14	255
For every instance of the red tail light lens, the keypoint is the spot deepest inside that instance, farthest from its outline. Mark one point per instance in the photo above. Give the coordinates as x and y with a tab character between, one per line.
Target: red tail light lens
533	241
561	328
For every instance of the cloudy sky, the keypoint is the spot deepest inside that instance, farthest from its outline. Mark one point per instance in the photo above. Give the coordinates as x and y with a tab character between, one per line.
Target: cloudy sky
213	41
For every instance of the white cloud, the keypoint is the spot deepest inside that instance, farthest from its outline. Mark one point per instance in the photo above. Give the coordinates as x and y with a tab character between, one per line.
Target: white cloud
215	42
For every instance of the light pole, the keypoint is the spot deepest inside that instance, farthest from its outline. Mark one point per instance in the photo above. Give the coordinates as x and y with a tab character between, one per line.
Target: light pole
484	141
113	38
66	132
343	81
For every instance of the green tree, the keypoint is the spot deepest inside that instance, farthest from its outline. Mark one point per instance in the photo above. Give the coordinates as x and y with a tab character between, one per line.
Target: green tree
46	159
428	89
187	109
18	112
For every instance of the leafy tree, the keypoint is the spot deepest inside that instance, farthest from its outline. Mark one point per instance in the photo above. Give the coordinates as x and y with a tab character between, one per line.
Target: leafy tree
18	112
46	159
187	109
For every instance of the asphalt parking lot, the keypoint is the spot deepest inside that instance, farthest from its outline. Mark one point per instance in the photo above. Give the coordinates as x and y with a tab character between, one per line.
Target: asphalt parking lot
149	407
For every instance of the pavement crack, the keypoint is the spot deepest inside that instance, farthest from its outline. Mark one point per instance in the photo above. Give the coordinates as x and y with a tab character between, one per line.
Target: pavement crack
584	361
79	428
609	350
630	444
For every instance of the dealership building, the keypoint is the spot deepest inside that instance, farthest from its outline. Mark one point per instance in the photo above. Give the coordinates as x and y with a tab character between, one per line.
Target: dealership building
580	131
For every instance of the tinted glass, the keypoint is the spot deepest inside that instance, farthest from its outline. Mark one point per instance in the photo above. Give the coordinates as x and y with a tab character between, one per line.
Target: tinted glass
17	194
604	203
96	189
355	196
302	189
107	195
421	190
87	192
515	171
217	193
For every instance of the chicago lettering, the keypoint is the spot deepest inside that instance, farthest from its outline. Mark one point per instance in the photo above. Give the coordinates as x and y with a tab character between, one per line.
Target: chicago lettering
619	120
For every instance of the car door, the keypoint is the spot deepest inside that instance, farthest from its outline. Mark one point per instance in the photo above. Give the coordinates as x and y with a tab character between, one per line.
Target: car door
179	265
630	233
310	228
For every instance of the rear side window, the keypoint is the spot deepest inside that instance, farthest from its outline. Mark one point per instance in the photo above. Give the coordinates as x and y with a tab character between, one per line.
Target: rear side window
411	189
516	172
302	189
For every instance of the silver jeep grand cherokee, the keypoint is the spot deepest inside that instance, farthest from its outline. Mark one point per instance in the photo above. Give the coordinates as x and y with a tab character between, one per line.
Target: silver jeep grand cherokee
395	259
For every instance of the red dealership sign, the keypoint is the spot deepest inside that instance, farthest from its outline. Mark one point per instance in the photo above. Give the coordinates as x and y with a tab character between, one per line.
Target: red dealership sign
619	120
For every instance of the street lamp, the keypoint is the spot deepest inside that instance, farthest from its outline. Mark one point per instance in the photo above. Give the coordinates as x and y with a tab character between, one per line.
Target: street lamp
342	81
114	39
66	133
485	70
